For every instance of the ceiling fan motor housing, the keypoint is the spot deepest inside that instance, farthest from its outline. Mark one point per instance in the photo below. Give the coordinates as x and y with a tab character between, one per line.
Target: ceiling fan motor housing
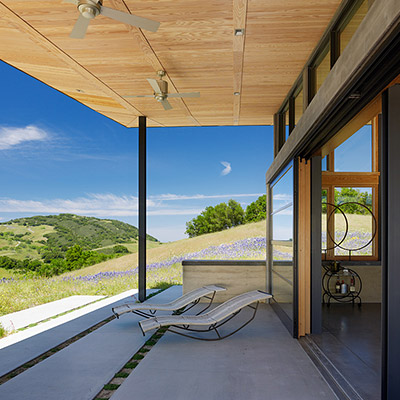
163	87
89	9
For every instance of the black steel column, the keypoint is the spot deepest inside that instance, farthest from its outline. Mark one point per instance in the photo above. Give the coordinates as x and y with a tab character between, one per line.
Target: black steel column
390	196
142	208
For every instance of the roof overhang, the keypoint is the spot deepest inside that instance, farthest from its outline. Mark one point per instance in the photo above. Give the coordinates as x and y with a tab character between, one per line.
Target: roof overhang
195	45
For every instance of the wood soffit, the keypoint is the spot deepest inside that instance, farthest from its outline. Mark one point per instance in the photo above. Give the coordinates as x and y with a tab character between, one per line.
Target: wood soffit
195	45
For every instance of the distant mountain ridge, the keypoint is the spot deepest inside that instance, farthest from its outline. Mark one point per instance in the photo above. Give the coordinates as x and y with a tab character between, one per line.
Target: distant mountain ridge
87	232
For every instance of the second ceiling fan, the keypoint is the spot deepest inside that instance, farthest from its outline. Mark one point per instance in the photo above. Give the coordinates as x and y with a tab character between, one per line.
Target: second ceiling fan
161	94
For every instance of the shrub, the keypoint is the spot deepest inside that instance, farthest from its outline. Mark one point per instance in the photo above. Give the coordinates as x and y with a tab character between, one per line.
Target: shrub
2	331
119	249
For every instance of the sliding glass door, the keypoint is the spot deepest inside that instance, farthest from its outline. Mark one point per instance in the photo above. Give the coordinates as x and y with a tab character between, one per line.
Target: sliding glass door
282	246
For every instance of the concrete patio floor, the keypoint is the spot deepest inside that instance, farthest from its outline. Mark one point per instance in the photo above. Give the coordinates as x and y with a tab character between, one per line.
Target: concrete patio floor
261	361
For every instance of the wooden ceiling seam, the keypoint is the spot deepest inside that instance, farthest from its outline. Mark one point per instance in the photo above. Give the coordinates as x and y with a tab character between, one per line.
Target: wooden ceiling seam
151	56
239	22
42	41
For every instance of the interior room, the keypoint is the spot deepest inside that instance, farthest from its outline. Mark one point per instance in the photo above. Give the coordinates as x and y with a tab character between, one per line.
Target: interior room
351	267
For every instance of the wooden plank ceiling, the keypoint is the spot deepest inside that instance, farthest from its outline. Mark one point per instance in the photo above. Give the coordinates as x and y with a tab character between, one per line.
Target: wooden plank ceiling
195	45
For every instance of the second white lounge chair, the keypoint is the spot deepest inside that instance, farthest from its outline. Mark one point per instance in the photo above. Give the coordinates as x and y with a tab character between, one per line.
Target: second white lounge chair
178	306
209	321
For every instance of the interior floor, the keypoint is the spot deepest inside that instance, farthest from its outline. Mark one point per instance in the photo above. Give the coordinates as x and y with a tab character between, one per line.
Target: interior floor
351	339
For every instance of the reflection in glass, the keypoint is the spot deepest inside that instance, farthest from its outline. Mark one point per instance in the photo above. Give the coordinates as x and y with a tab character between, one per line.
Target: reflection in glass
282	240
348	230
349	30
287	133
355	154
358	240
322	69
324	165
298	107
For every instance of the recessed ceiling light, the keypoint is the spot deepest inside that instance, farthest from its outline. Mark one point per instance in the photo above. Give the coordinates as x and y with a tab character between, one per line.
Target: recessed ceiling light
239	32
236	93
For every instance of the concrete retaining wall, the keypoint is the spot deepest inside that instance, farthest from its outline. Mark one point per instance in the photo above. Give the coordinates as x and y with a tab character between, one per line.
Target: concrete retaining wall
236	276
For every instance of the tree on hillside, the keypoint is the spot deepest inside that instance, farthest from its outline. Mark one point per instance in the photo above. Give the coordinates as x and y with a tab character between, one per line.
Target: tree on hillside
349	195
215	219
257	210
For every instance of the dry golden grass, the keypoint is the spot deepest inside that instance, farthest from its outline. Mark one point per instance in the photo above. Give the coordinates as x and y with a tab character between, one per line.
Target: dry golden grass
168	250
357	223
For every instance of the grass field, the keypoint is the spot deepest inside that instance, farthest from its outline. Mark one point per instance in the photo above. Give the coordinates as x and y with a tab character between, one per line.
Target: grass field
163	266
117	275
169	250
132	246
4	273
360	228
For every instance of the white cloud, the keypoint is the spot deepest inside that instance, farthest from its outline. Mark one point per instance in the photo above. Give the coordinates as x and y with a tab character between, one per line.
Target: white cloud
283	196
10	137
170	196
108	205
227	168
100	205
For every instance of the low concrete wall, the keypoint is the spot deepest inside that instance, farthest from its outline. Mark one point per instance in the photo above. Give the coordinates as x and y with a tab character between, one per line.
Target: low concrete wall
371	277
236	276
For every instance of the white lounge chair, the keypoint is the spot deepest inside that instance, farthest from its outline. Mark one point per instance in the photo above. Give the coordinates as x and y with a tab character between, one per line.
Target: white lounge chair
209	321
178	306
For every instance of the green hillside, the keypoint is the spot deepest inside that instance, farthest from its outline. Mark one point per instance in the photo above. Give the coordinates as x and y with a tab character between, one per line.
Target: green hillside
32	237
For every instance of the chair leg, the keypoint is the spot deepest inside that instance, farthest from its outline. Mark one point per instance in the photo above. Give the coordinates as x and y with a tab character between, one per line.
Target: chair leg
214	328
209	304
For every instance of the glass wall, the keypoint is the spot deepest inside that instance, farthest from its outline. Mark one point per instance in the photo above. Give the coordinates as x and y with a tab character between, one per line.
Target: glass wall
287	132
350	28
355	154
298	106
282	240
322	68
350	195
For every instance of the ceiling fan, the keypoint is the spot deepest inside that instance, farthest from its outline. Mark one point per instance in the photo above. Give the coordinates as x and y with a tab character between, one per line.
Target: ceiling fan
161	94
90	9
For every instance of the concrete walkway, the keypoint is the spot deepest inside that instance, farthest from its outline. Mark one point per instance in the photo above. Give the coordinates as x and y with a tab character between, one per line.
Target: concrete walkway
21	347
23	318
80	370
262	361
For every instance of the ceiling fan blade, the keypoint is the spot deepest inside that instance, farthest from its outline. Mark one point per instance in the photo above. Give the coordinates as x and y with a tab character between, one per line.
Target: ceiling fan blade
154	85
165	103
193	94
80	28
145	95
142	23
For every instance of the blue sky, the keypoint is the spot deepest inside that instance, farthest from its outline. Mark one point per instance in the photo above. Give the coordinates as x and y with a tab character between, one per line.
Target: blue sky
59	156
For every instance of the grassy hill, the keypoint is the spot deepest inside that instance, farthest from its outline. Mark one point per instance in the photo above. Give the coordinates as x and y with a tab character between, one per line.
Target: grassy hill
29	237
178	248
115	275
